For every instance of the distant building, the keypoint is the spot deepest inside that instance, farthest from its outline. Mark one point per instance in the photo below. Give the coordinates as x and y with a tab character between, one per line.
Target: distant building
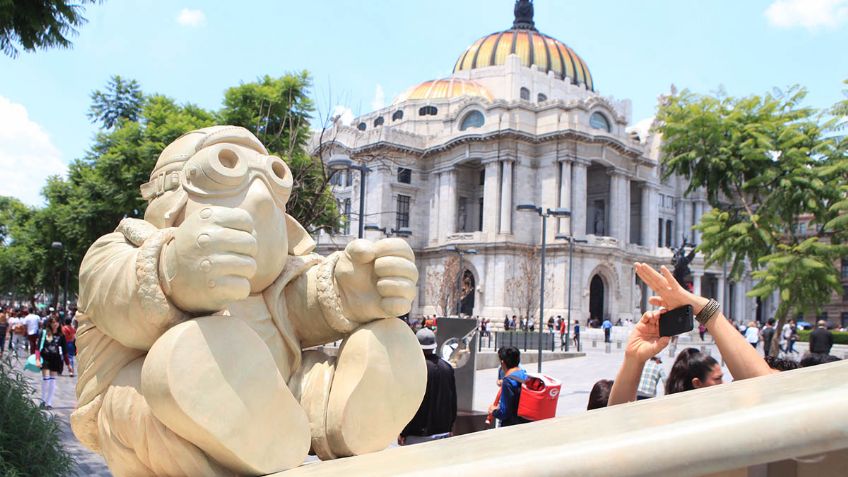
520	121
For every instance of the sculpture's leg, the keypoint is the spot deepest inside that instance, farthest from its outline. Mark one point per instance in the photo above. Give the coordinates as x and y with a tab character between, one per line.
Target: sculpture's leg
378	385
311	386
213	381
135	443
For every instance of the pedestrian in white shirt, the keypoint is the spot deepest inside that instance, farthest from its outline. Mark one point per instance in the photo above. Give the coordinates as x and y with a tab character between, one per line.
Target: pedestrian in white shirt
752	334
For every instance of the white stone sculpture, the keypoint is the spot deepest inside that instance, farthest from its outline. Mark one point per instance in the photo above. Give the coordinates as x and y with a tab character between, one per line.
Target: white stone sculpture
193	322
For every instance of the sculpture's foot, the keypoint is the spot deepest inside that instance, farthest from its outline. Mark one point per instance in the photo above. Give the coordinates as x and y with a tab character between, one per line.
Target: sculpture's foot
378	385
135	443
213	381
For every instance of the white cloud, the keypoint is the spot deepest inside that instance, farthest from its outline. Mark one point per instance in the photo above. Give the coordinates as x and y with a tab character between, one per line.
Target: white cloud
379	101
344	114
810	14
191	18
27	157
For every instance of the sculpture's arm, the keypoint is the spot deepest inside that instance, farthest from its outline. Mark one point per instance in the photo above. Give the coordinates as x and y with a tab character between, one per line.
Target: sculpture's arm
121	292
314	305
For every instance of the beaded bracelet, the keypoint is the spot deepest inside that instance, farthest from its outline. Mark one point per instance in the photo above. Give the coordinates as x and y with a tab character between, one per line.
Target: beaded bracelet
708	312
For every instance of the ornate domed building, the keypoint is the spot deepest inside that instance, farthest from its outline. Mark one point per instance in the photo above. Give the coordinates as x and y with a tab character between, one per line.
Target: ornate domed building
520	122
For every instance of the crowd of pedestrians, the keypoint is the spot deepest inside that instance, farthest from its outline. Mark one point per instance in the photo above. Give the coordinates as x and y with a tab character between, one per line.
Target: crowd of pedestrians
50	337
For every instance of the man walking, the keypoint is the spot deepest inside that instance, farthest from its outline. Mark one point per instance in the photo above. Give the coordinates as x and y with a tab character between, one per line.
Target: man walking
652	374
607	326
31	320
576	332
767	334
437	413
821	339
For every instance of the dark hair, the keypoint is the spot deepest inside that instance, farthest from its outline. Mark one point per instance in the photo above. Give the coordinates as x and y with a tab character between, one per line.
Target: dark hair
815	359
693	365
599	397
510	355
67	321
770	321
781	364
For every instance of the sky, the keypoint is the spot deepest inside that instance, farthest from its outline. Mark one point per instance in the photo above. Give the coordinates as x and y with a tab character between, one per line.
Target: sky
361	54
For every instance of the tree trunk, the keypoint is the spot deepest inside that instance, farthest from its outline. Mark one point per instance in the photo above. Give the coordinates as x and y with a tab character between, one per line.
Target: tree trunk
781	314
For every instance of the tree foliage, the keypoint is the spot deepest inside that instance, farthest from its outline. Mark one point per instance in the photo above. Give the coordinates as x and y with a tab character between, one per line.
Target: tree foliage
103	187
768	164
30	25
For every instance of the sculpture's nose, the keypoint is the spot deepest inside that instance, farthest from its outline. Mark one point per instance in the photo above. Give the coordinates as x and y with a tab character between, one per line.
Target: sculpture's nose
258	199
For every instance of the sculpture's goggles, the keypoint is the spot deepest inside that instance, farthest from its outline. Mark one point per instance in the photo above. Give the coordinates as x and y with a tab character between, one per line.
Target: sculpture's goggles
224	170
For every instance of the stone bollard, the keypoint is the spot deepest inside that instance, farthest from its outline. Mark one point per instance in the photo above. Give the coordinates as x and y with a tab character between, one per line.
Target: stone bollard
608	347
618	344
594	343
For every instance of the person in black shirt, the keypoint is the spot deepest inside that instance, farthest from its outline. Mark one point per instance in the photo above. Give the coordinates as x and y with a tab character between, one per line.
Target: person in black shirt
437	413
50	354
767	334
821	340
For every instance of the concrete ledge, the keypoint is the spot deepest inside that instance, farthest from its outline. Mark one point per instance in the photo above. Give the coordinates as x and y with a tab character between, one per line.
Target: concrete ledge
711	430
489	359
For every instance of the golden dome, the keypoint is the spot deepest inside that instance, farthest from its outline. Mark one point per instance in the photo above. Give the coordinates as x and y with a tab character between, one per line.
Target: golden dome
446	88
532	48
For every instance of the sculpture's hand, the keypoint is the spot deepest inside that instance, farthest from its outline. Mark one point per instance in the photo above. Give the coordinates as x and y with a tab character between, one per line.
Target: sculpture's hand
211	259
376	280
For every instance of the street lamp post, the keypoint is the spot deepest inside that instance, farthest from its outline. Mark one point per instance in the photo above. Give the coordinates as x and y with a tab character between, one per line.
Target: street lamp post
460	252
558	212
571	241
342	164
61	246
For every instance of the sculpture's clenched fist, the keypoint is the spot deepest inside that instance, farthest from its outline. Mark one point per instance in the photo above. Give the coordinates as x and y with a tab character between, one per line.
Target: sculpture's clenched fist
378	280
211	259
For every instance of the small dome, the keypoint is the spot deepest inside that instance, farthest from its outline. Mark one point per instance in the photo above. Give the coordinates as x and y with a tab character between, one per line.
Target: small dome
446	88
532	48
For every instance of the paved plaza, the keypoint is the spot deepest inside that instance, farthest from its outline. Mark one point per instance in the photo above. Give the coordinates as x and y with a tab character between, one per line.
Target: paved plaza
578	376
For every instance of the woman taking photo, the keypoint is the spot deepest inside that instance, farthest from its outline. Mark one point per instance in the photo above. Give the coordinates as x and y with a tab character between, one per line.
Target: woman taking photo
51	346
742	360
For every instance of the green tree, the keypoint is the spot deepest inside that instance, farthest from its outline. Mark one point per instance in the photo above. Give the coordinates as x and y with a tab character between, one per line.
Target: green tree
122	100
277	111
762	161
39	24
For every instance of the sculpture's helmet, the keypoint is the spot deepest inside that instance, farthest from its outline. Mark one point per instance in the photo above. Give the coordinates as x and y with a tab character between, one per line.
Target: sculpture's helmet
213	161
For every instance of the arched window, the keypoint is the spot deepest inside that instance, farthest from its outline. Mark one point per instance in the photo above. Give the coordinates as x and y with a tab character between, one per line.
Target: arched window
599	121
525	94
361	126
428	111
397	116
474	119
379	121
541	98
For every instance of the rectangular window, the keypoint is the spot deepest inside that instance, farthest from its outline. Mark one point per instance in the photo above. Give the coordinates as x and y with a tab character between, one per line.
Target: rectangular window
480	216
402	215
668	232
660	234
844	292
346	217
404	175
483	176
844	269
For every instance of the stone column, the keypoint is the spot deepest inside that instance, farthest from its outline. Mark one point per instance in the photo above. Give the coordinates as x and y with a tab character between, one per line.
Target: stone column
650	215
618	208
578	198
447	203
696	282
506	197
688	219
435	208
720	294
679	227
565	195
699	211
491	199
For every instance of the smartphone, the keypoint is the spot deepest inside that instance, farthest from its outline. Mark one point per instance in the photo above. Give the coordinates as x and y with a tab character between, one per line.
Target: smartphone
676	321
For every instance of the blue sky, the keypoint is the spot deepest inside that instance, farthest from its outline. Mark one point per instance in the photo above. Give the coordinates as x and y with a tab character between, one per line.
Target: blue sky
363	53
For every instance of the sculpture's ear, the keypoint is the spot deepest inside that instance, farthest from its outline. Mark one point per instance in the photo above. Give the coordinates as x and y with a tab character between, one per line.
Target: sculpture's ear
300	243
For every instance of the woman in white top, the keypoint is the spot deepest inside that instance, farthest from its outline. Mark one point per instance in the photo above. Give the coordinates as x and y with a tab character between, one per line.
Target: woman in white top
752	334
